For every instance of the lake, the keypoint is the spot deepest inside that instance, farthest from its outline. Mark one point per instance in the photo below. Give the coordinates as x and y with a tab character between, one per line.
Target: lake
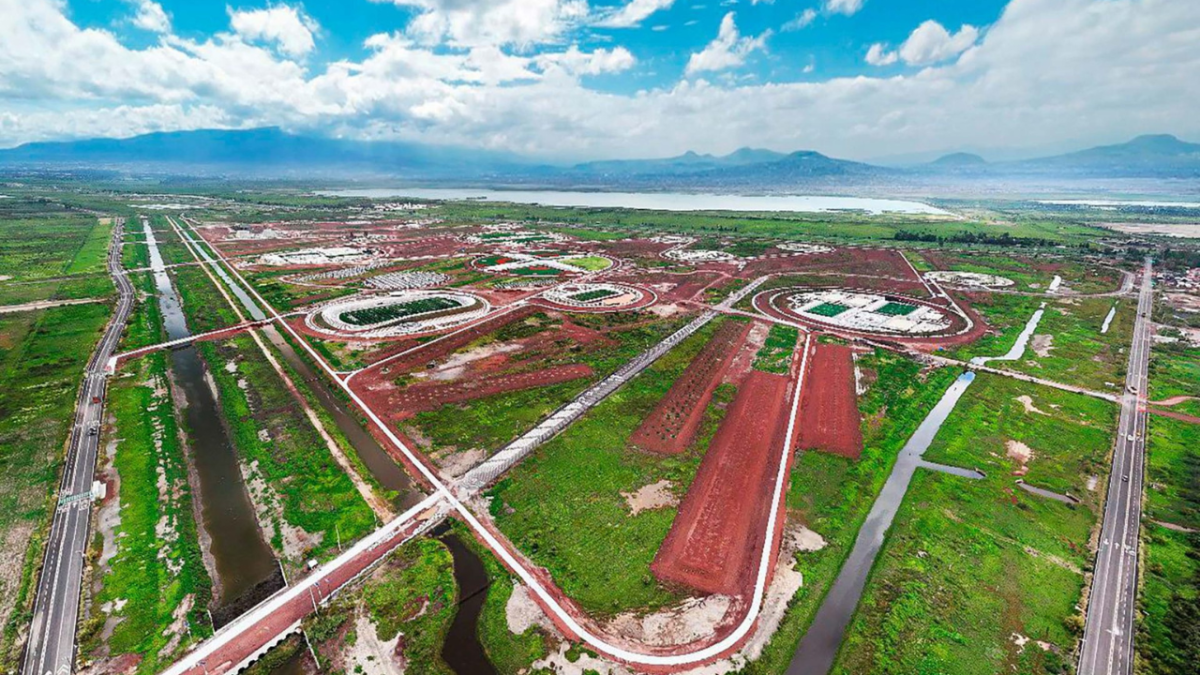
658	201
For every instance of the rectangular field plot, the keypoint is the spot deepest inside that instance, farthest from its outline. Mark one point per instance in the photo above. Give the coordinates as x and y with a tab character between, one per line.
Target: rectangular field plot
829	309
831	495
588	296
717	537
373	315
897	309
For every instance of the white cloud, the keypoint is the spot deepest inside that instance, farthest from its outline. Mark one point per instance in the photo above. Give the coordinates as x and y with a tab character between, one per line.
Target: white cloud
878	55
633	13
285	26
847	7
728	50
150	16
802	20
1046	72
576	62
930	43
521	23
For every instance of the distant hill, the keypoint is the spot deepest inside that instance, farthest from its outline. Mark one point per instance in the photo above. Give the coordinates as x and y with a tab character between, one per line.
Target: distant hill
1145	156
260	151
689	162
959	160
272	152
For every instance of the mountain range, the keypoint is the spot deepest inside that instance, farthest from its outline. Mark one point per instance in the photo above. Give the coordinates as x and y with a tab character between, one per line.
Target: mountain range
271	152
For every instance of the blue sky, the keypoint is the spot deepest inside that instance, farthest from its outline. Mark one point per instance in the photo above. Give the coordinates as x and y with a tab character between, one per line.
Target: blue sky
833	44
573	79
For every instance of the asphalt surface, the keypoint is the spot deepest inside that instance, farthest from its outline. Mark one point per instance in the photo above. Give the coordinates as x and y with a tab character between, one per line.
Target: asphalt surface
51	646
1109	631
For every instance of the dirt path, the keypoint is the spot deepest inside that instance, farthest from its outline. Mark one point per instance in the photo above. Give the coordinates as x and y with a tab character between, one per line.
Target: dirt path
1175	400
45	304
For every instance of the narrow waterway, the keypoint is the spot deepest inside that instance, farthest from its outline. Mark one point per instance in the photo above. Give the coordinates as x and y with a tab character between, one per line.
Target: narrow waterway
245	564
462	650
386	472
820	644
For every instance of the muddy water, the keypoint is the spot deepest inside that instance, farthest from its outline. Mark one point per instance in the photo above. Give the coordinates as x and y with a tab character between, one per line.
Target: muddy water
462	650
383	468
245	565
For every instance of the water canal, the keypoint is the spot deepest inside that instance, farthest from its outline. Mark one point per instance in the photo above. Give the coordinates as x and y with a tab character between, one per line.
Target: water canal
383	468
245	566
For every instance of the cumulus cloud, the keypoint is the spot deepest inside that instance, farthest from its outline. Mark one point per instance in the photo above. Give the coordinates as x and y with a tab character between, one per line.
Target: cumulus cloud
1047	71
151	16
847	7
576	62
930	43
878	55
802	20
521	23
728	50
288	28
633	13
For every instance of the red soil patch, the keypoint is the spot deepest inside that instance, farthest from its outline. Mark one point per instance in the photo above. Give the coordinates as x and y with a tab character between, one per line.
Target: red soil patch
718	533
671	426
418	398
829	418
846	260
1182	417
672	287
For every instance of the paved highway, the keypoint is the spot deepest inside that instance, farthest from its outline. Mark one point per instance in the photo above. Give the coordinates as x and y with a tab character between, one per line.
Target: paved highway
1108	634
51	646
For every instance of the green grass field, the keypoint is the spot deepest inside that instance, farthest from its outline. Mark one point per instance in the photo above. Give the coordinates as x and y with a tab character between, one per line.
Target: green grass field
775	356
590	263
157	573
563	503
828	309
968	564
1170	591
1070	438
491	422
1175	371
42	357
1074	351
1005	316
845	227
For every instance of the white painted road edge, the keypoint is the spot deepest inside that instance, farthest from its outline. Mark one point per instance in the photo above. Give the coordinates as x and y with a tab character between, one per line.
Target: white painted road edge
443	492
